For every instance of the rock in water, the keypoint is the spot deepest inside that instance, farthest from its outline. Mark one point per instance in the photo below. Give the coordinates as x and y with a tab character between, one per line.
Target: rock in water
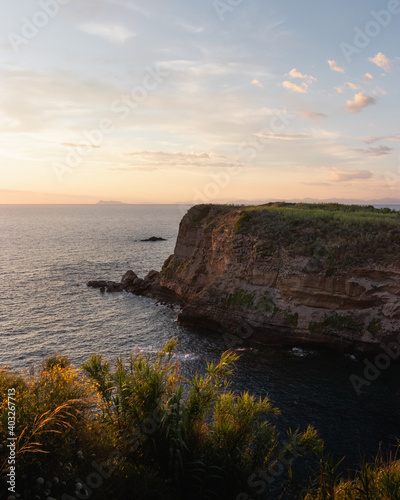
154	238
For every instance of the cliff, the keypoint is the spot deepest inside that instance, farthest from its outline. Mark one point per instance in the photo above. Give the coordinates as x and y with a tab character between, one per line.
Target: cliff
286	273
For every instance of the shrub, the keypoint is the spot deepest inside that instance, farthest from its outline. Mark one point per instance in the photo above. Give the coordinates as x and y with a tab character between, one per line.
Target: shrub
173	438
377	481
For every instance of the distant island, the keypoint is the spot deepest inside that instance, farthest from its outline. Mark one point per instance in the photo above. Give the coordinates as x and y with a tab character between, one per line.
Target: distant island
111	202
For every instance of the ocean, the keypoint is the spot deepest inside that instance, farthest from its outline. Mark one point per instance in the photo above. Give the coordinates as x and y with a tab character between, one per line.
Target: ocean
48	253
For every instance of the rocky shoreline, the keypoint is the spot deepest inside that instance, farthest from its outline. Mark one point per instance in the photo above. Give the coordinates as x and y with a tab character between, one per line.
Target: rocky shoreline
131	283
232	271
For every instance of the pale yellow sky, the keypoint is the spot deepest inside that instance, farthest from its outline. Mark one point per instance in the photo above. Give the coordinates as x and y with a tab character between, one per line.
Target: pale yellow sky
181	103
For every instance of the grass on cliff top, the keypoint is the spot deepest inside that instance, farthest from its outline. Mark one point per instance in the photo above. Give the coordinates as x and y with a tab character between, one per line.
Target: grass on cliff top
334	236
330	211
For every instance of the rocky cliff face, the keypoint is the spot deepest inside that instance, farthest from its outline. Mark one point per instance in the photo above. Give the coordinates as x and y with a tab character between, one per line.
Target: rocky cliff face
283	275
285	278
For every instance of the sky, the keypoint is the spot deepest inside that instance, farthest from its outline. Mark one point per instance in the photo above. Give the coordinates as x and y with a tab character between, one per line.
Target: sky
201	101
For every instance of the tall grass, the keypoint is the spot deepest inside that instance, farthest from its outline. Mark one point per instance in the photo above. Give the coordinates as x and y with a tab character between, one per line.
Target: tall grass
161	436
379	480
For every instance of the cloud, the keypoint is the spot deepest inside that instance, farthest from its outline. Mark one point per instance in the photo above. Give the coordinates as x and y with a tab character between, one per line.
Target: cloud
256	82
360	101
129	5
191	28
152	160
315	117
192	68
294	87
371	140
353	86
73	145
379	91
334	67
112	32
338	175
284	137
367	77
317	183
378	151
293	73
382	61
340	90
314	134
34	101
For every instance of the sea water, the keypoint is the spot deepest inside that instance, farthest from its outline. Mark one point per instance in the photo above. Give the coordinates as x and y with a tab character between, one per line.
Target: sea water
48	253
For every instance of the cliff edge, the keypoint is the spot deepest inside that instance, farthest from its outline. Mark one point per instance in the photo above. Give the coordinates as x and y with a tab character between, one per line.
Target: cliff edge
285	274
289	273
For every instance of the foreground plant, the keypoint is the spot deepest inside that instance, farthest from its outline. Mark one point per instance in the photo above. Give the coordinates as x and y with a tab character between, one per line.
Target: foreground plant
146	433
197	435
377	481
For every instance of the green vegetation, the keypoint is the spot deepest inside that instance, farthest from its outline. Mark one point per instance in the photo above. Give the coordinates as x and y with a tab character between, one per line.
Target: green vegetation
144	431
377	481
239	298
244	218
137	429
334	325
332	235
291	318
319	209
375	327
197	213
266	304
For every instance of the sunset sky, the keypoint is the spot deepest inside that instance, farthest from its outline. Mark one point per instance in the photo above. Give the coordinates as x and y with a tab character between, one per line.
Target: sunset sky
207	100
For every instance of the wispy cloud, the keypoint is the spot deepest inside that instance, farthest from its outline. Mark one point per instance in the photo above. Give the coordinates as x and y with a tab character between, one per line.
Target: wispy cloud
128	4
315	117
378	91
339	90
258	83
353	86
371	140
293	73
111	32
382	61
338	175
378	151
285	137
360	102
367	77
73	145
190	28
313	134
334	67
294	87
151	160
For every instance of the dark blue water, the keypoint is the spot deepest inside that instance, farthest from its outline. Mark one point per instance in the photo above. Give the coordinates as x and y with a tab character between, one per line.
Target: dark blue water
48	253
